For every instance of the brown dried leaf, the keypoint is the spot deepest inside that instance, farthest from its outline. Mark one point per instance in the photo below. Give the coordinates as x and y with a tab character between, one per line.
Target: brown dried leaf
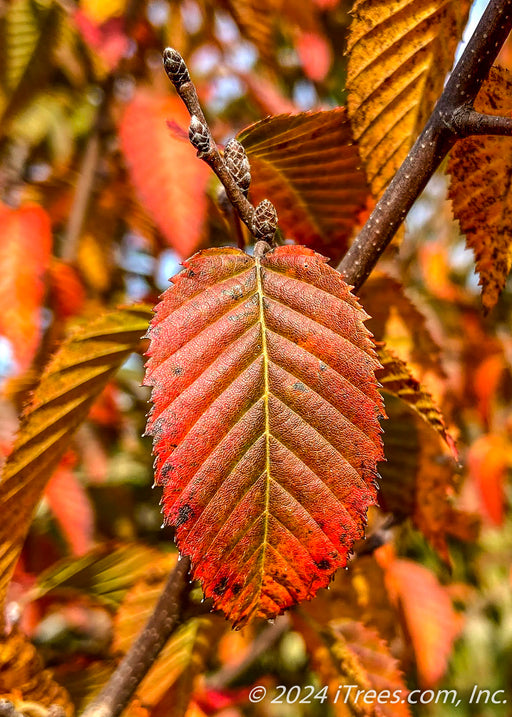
386	300
345	653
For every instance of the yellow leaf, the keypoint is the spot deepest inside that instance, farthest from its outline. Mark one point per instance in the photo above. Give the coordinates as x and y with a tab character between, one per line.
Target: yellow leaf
480	190
68	386
399	54
101	10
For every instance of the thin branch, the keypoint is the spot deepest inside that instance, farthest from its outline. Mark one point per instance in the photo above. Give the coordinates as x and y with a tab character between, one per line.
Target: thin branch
267	639
163	621
262	220
179	76
467	122
443	128
82	197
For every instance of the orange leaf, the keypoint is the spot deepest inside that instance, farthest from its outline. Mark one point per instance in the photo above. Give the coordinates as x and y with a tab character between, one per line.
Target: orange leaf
24	679
356	665
76	374
481	168
388	304
67	295
427	610
265	423
24	257
308	165
169	178
487	461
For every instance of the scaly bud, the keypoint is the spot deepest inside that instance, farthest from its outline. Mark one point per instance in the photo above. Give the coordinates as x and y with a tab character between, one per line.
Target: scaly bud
238	164
198	135
175	67
264	221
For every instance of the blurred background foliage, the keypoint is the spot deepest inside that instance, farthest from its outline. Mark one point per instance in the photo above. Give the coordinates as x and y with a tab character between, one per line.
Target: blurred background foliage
96	556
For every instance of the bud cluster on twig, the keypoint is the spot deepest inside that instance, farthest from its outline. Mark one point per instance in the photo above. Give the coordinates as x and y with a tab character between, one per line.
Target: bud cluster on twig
238	164
233	170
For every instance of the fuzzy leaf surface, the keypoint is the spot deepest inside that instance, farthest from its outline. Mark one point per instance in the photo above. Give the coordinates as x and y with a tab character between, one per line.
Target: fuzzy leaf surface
308	164
70	383
399	54
169	179
265	423
480	190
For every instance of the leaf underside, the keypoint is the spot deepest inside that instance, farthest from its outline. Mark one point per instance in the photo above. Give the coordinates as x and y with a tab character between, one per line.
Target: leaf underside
265	424
74	377
310	167
399	54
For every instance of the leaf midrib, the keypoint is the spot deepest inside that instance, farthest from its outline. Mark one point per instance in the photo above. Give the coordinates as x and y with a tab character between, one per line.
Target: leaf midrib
266	394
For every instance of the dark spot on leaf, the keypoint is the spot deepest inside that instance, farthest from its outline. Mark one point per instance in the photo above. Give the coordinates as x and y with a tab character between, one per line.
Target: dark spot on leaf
191	273
177	371
184	514
323	366
221	586
323	564
234	293
236	588
166	469
299	386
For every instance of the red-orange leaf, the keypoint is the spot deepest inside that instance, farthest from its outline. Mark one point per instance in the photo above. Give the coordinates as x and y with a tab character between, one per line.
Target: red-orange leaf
25	247
170	180
265	423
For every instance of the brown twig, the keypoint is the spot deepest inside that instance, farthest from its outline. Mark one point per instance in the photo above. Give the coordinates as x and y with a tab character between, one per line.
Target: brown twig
453	117
178	74
207	150
165	618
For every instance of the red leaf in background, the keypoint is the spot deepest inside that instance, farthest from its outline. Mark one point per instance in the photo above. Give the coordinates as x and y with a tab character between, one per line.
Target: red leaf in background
267	96
486	383
67	294
327	4
430	619
25	246
170	180
265	423
488	459
71	506
107	39
314	54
